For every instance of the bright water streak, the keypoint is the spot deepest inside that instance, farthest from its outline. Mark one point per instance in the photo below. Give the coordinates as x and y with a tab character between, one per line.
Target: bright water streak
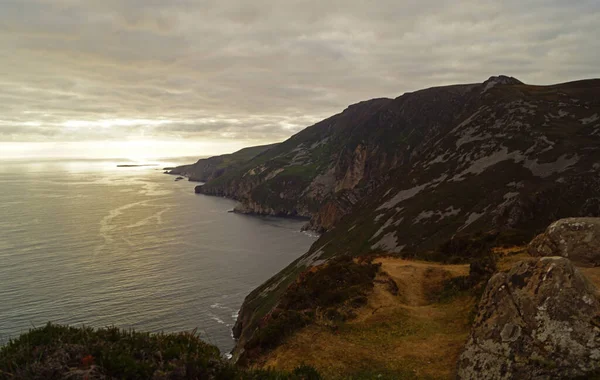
85	242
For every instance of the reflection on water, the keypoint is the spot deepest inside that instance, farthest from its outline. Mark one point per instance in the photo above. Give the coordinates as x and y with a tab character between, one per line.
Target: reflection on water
85	242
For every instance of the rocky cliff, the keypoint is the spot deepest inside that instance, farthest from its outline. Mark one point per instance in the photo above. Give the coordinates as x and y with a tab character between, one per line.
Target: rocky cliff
310	169
207	169
402	176
427	139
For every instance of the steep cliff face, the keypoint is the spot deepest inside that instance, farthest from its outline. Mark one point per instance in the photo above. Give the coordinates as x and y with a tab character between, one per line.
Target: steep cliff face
324	170
207	169
300	174
422	168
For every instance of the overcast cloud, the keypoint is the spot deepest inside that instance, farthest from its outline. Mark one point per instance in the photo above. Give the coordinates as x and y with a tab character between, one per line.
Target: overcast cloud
259	71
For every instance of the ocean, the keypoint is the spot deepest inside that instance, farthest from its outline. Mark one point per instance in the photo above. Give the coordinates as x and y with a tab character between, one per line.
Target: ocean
83	242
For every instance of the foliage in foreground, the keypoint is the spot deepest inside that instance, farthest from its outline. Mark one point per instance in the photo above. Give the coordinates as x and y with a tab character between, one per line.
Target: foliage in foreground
328	293
62	352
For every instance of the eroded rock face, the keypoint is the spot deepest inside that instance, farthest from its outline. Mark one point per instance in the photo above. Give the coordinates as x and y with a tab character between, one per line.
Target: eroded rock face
575	238
537	321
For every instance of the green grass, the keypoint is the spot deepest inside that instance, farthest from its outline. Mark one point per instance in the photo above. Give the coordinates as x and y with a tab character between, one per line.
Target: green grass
58	352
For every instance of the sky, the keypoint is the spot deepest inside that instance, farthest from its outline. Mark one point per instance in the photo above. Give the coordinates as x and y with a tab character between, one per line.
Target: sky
147	78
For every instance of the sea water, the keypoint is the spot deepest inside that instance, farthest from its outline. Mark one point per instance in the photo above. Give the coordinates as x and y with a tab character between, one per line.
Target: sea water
83	242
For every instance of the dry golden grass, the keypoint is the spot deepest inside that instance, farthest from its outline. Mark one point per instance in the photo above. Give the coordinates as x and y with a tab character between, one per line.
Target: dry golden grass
403	336
593	274
507	257
509	251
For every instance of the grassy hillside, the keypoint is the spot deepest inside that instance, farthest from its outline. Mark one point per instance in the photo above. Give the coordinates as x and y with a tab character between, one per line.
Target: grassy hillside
412	322
403	331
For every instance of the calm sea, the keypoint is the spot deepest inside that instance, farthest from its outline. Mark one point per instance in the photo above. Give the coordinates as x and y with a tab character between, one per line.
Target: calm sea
85	242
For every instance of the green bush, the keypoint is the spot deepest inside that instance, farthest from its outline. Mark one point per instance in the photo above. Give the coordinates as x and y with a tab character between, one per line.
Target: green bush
462	249
339	284
481	269
339	281
281	323
58	352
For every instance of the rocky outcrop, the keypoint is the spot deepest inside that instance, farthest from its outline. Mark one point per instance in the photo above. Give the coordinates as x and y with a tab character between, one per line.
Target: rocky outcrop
355	171
333	211
537	321
575	238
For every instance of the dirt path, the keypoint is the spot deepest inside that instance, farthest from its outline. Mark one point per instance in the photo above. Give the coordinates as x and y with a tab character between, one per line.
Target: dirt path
403	332
417	279
402	335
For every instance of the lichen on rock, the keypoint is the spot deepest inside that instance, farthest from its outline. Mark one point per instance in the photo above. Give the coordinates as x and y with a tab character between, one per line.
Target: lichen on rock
575	238
536	321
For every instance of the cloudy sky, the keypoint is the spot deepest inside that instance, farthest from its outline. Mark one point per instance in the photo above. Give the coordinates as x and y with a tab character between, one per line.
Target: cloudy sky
195	77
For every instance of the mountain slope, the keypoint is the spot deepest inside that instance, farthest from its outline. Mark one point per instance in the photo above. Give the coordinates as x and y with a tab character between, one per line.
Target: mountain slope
207	169
324	170
295	177
500	156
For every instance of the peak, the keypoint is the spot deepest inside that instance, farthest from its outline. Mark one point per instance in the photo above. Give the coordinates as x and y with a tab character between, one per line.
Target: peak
503	79
500	80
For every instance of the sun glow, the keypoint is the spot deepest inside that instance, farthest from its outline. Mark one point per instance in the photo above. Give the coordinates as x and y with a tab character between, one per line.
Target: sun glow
135	150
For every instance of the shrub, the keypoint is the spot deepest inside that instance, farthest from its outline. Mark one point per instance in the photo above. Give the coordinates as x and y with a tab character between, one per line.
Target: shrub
325	291
279	324
481	268
462	249
58	352
335	283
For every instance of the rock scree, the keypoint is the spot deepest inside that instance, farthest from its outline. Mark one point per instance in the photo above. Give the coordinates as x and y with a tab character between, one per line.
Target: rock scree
537	321
577	239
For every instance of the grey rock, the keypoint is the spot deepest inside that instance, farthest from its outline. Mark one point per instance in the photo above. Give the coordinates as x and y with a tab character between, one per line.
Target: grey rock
537	321
575	238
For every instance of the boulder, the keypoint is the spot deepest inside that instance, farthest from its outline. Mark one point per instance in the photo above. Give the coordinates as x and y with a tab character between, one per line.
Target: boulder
537	321
577	239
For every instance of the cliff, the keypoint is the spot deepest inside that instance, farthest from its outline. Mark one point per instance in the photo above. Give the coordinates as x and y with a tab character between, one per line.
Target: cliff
325	170
207	169
403	176
302	174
